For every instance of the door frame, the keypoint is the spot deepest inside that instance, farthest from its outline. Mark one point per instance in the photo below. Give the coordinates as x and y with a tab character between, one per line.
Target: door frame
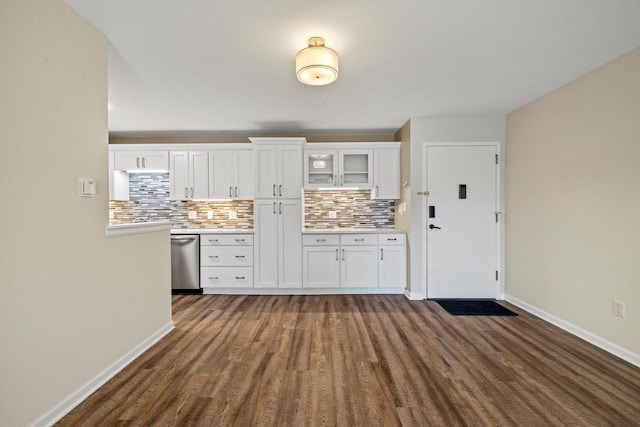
500	257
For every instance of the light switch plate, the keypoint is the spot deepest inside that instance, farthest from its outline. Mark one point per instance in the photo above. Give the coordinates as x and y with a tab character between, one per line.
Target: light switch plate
233	215
210	215
333	214
192	214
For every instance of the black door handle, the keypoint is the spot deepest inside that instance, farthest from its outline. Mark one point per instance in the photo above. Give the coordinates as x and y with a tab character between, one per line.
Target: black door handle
431	226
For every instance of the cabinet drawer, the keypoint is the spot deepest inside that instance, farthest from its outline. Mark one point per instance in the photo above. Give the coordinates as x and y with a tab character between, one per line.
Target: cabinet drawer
226	239
320	239
359	239
392	239
226	277
226	256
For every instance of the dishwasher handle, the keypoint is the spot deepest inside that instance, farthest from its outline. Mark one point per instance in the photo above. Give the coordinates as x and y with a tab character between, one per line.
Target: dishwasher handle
184	239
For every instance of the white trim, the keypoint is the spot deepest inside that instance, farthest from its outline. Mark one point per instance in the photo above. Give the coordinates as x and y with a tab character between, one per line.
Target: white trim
74	399
136	228
413	296
605	345
301	291
499	203
182	147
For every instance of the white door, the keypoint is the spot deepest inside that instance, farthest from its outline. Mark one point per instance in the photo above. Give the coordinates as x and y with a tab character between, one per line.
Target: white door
243	174
359	268
221	174
265	243
179	175
461	222
199	174
290	243
289	171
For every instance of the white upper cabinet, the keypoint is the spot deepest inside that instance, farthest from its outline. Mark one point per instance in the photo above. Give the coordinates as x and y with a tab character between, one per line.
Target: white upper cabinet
278	168
386	177
344	168
231	174
189	175
141	160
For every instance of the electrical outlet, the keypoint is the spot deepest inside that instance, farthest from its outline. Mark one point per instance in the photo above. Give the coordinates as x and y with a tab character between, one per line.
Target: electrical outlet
210	215
233	215
618	308
192	214
112	215
333	214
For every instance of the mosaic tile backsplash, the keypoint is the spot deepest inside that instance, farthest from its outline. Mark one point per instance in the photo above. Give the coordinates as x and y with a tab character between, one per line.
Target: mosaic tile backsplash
149	201
353	208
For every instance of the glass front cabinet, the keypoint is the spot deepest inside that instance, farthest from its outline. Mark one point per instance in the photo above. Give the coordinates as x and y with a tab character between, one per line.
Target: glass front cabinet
349	168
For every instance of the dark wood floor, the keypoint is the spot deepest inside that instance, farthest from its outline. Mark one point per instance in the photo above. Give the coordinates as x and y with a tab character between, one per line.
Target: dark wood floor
362	361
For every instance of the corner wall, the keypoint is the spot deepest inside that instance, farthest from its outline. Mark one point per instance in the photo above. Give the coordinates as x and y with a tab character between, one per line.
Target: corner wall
72	302
573	202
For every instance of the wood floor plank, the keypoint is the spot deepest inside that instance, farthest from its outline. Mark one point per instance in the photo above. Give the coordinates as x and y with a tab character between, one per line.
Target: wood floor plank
361	360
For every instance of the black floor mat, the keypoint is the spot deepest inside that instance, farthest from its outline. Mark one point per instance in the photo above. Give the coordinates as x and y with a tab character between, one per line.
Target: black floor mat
460	307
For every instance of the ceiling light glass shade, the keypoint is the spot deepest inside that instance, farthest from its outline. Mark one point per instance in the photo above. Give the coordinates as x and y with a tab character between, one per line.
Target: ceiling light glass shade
317	64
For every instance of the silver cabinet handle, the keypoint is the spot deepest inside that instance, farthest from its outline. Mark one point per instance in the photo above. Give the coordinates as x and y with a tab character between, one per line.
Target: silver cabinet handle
343	256
377	192
230	194
240	240
341	179
381	254
321	240
239	277
280	190
239	256
213	278
337	259
274	190
192	192
186	193
389	239
137	162
213	240
280	208
236	192
213	256
144	162
359	240
274	207
335	181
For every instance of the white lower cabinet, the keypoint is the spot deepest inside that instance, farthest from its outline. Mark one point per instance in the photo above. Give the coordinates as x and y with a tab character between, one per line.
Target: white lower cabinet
354	261
226	261
278	243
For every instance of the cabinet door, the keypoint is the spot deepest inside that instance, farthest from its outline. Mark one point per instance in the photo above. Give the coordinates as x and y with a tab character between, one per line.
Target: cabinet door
359	268
290	171
266	168
127	160
265	258
356	168
199	174
243	174
386	166
320	168
154	160
320	267
179	175
392	266
221	174
290	243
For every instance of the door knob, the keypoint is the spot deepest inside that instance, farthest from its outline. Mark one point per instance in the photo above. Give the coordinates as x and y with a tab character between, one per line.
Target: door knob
431	226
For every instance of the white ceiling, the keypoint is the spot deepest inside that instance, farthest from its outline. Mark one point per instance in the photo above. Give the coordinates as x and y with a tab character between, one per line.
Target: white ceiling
227	67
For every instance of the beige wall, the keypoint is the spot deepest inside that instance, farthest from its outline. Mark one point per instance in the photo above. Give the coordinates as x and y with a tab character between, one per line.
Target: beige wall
72	302
403	222
573	202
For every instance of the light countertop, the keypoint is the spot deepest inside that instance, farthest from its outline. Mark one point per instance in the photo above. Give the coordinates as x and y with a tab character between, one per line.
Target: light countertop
212	231
350	230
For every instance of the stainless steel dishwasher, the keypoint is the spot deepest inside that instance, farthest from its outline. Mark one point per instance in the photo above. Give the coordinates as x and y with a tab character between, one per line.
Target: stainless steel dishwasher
185	262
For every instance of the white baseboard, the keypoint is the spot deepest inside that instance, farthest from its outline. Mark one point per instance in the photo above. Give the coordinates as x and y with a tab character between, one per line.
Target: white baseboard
300	291
605	345
73	400
414	296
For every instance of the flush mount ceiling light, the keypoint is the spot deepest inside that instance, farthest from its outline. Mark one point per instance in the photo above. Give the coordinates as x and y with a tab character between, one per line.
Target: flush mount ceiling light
317	65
